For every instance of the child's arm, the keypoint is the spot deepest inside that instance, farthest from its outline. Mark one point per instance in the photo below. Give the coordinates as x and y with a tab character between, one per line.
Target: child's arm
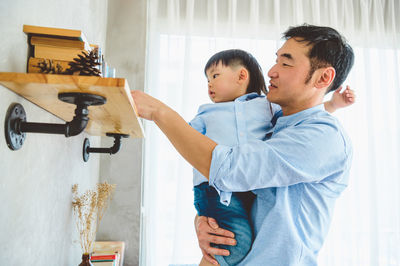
340	100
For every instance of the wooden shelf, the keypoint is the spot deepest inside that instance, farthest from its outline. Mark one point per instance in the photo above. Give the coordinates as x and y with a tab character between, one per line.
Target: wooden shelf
118	115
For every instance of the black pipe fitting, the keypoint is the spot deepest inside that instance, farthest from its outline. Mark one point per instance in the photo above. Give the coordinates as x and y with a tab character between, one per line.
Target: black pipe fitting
112	150
15	125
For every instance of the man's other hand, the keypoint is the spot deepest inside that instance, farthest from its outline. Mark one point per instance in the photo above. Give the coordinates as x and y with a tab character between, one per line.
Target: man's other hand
208	232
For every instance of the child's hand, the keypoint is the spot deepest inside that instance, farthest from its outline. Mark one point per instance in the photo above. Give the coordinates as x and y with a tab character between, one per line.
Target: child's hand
343	99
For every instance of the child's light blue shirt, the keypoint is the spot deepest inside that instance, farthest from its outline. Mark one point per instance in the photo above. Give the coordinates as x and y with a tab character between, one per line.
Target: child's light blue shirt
232	123
297	176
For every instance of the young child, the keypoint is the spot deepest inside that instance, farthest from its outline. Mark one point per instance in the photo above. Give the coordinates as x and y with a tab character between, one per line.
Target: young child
239	113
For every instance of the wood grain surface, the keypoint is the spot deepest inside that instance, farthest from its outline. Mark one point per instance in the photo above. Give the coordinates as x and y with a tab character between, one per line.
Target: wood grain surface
118	115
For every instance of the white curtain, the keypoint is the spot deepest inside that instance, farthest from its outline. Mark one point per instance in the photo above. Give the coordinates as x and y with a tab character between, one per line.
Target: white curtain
183	34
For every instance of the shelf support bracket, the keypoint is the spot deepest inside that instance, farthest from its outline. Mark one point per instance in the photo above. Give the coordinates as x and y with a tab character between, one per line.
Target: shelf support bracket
112	150
16	127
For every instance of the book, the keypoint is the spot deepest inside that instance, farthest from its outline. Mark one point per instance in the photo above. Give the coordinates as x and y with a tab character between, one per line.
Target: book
56	44
34	62
55	32
104	257
59	42
104	263
110	247
57	53
94	46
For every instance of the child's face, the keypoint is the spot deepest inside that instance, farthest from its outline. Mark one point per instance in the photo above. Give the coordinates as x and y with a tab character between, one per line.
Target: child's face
224	83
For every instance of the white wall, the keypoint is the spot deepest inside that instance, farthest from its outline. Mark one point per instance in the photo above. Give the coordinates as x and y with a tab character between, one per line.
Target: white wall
37	226
126	45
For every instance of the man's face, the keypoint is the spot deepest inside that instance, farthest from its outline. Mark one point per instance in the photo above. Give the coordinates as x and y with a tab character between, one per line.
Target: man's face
288	76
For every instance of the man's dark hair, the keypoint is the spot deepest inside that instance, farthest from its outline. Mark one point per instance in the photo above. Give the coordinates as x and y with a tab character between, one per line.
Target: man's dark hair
236	57
328	48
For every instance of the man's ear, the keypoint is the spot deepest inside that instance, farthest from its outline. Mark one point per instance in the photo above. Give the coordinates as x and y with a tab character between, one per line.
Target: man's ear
325	78
243	74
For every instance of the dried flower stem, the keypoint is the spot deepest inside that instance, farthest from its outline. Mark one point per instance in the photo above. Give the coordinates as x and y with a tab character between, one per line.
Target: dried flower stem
89	208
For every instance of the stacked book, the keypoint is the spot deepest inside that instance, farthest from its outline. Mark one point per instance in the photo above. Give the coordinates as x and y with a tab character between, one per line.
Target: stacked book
55	46
108	253
105	259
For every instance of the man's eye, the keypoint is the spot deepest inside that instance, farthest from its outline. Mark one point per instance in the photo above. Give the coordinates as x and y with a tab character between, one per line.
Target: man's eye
285	64
215	75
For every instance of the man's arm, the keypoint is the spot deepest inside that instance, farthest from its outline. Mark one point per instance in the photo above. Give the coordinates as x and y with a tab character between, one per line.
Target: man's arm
197	150
192	145
296	154
311	151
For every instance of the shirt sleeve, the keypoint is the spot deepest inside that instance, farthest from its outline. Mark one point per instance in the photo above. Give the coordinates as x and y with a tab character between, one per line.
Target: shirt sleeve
310	152
198	124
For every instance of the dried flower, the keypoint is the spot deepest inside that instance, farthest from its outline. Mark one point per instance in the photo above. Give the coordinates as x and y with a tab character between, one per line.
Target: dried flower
89	209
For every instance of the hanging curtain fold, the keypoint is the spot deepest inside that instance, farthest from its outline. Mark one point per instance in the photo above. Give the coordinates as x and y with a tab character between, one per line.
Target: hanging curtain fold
183	34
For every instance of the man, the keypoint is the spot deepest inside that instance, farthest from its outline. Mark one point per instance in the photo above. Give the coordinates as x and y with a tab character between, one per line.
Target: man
300	169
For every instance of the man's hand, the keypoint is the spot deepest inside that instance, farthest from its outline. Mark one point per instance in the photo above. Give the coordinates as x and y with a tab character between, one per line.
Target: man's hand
147	107
208	232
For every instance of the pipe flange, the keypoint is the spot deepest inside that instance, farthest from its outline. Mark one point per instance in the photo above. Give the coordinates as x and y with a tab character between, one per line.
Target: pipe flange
14	138
85	152
79	98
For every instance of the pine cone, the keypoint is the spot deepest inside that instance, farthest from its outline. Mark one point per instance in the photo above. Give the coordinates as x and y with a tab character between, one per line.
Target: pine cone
85	65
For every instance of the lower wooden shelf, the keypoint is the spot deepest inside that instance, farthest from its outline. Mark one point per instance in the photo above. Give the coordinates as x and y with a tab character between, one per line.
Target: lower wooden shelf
117	115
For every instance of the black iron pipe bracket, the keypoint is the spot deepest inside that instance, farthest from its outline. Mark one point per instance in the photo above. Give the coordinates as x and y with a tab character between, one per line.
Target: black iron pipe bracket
112	150
16	127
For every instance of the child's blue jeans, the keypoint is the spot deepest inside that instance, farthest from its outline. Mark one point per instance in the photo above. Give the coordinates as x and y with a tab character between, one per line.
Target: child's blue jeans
234	218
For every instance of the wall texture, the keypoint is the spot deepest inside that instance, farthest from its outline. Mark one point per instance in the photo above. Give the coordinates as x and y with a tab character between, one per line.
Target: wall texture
126	45
37	226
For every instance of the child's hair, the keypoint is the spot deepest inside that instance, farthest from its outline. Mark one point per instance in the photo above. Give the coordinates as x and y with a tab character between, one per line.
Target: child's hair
236	57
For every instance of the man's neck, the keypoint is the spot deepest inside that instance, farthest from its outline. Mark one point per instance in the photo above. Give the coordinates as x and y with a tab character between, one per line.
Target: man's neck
292	109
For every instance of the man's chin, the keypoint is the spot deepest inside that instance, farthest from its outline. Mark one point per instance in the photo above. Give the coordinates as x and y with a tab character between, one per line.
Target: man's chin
270	97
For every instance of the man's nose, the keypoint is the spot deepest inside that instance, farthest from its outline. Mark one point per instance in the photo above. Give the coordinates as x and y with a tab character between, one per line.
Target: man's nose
272	73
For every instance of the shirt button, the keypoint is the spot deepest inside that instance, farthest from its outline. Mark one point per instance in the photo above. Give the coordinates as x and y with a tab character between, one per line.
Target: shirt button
241	134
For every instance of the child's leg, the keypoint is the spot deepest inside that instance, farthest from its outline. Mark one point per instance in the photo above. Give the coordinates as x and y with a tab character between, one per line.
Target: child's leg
234	218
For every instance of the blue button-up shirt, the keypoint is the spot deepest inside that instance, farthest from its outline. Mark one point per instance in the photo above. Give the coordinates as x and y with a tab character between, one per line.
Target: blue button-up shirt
234	123
297	176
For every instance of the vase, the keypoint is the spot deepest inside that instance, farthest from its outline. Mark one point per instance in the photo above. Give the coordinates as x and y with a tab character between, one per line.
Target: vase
86	260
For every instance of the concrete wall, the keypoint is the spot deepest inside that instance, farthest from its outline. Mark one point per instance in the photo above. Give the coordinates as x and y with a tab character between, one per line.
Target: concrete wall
126	45
37	226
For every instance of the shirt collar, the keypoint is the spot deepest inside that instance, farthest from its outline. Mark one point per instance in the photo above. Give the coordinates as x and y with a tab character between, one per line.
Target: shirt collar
294	118
279	122
248	96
